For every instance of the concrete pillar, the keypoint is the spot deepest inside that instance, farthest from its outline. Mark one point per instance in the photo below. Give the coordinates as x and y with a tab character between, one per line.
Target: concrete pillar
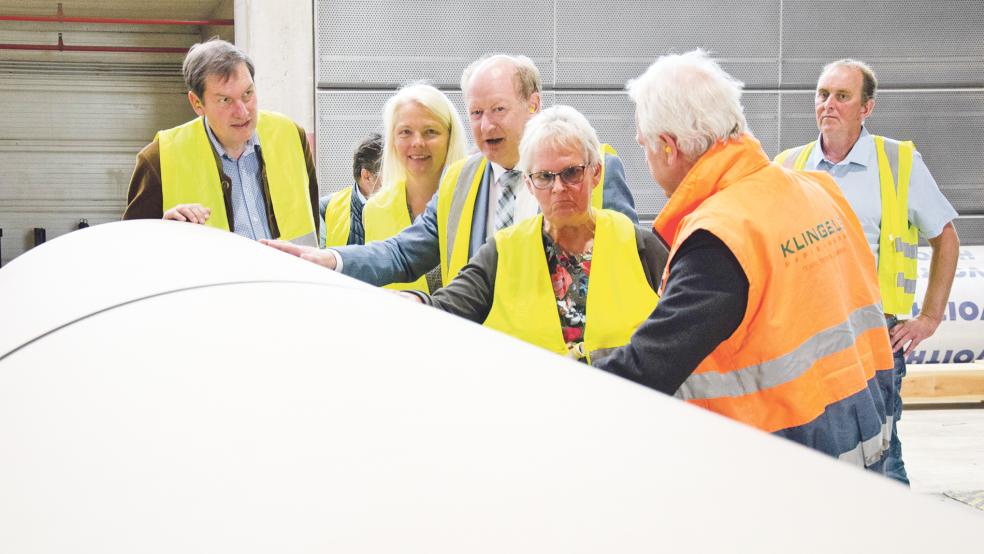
279	36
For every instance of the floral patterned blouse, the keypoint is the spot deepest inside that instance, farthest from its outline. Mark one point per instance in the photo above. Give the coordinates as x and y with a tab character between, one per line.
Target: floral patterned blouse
569	274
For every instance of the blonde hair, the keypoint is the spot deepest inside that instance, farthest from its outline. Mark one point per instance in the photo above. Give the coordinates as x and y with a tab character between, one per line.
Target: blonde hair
438	104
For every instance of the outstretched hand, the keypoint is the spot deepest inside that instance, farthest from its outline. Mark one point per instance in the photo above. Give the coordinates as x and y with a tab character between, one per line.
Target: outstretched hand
323	258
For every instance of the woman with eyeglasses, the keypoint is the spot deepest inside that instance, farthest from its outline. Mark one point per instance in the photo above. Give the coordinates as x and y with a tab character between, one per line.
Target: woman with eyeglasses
573	279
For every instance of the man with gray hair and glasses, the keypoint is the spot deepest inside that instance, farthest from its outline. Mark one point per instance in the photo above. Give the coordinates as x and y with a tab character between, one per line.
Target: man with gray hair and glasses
234	167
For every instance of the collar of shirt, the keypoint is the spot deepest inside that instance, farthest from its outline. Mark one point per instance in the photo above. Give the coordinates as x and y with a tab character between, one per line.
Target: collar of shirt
526	204
358	191
862	154
497	171
251	144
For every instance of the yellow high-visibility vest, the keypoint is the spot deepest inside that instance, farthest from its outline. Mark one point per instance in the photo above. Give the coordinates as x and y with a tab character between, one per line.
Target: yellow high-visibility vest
385	215
898	240
338	218
456	207
619	296
189	174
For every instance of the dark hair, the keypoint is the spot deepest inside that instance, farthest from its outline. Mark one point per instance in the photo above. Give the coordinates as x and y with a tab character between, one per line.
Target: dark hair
367	156
212	57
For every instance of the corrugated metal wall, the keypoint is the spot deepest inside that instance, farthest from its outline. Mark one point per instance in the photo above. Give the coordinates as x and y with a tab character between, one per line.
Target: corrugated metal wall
929	57
73	122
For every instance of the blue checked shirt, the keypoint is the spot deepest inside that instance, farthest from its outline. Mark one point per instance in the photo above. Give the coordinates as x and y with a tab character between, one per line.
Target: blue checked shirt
249	213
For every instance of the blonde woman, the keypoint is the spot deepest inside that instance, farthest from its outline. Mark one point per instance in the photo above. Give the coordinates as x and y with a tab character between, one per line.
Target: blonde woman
423	134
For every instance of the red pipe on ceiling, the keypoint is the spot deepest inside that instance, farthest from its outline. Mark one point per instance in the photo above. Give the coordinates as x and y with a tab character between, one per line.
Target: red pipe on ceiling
66	48
62	47
115	20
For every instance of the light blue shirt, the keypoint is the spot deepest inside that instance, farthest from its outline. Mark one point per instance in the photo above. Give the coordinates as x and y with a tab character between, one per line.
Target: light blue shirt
249	216
857	176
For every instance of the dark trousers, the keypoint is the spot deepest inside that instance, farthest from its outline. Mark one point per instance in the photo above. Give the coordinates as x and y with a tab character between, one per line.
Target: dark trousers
894	466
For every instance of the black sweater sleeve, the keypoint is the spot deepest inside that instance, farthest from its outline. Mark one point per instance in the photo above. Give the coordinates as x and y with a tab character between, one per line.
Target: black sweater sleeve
469	294
703	303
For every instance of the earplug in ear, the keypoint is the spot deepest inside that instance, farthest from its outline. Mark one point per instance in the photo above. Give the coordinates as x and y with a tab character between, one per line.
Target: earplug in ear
667	149
532	110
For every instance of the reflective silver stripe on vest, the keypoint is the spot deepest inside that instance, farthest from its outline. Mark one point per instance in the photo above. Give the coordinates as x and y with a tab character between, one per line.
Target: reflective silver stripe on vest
785	368
870	452
461	189
310	239
892	153
908	285
908	250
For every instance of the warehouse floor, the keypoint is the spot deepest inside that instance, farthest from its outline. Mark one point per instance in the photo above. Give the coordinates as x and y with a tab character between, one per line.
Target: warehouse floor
943	451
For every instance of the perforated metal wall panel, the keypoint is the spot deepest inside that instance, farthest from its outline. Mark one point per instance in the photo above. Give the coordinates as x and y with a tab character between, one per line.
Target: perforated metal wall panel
380	43
602	45
586	52
970	228
612	116
946	125
908	42
344	118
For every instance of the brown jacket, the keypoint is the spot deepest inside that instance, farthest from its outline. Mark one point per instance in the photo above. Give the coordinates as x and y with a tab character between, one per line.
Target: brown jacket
145	199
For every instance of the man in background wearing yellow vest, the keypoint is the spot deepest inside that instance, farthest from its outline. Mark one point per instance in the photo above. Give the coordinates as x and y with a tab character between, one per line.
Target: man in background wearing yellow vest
478	195
896	199
341	212
234	167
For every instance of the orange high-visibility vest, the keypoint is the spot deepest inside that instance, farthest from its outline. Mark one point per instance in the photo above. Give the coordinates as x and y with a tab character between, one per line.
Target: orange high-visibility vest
898	242
813	333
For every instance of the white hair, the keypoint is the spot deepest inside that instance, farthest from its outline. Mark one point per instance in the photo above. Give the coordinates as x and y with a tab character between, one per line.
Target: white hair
393	170
689	97
562	127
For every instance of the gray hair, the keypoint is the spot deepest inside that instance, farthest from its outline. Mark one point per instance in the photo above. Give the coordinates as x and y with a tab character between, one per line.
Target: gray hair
691	98
526	77
869	82
212	57
562	127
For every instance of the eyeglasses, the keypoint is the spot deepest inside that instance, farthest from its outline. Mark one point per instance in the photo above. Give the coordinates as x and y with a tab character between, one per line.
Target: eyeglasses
570	176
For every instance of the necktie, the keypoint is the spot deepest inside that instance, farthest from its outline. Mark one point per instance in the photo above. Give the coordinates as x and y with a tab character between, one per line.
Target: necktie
507	199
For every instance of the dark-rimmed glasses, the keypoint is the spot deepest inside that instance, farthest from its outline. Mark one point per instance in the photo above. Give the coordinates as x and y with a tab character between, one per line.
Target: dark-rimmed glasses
570	176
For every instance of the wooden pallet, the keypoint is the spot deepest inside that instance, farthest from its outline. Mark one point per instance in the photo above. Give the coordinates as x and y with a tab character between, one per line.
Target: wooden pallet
943	384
